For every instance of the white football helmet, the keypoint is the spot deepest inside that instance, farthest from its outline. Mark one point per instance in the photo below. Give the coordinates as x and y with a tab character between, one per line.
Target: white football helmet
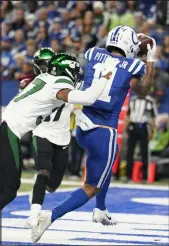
124	38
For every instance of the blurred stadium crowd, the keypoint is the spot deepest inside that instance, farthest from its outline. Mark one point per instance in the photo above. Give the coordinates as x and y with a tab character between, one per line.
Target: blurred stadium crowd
75	26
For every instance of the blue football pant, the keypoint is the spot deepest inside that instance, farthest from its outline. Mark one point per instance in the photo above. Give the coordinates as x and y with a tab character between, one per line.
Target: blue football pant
101	147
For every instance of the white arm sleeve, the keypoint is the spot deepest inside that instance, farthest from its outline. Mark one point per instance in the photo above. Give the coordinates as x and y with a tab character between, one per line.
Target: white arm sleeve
90	95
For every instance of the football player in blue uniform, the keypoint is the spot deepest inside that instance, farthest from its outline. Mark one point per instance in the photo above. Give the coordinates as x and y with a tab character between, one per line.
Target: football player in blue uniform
97	124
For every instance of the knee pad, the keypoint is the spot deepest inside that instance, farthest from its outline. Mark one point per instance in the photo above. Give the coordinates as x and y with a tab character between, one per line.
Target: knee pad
42	178
53	185
44	173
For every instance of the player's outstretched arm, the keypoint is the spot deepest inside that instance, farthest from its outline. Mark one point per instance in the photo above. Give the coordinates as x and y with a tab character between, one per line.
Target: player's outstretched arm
90	95
87	97
142	86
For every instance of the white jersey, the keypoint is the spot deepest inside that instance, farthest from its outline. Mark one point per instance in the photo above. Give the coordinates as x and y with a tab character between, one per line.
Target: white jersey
35	103
56	127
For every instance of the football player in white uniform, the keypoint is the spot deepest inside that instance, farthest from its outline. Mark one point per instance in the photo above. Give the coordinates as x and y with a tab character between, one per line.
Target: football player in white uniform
50	139
34	104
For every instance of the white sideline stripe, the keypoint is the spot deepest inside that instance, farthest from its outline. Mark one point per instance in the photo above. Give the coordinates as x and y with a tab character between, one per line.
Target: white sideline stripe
130	186
27	181
139	186
24	193
31	181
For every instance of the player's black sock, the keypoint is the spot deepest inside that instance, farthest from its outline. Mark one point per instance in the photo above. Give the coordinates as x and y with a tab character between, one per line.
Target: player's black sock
39	189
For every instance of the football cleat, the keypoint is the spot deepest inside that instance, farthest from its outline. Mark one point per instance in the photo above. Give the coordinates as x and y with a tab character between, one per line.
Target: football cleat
103	217
32	221
44	221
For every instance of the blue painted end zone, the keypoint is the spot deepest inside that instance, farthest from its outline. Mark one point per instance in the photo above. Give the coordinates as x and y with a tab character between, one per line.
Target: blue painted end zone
118	201
31	244
140	223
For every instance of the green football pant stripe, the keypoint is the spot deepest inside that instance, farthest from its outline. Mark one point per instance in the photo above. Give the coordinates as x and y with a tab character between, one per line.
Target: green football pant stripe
35	144
13	139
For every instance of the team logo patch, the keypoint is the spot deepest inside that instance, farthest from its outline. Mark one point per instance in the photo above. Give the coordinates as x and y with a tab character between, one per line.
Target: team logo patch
72	64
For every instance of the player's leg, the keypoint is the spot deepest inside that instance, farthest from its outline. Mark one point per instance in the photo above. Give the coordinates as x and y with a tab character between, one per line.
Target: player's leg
106	158
75	200
60	163
100	213
144	150
101	147
131	144
10	165
43	154
87	191
101	196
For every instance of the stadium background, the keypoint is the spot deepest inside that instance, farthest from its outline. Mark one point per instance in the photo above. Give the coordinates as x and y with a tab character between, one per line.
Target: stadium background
75	26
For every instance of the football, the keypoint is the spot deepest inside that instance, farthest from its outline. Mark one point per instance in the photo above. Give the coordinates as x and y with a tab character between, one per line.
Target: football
143	46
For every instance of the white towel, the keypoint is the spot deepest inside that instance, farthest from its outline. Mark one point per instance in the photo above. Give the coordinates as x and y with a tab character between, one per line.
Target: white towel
83	121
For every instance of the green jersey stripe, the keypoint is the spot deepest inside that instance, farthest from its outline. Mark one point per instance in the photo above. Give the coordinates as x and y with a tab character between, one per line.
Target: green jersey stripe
66	81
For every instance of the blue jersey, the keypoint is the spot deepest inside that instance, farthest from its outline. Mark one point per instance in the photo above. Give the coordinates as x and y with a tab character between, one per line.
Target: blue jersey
106	110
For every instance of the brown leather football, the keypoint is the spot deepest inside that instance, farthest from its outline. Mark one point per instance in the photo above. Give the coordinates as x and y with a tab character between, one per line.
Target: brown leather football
143	46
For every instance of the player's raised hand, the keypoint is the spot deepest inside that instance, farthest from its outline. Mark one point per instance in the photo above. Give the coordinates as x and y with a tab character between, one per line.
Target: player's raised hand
151	54
140	34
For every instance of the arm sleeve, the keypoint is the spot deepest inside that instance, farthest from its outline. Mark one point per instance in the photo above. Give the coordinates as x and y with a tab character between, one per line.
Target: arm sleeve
90	95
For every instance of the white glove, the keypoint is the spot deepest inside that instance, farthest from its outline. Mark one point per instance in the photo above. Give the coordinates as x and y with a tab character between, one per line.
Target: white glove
108	66
140	34
151	54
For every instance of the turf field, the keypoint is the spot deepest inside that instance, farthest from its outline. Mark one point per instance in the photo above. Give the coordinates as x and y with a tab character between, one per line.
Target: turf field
141	210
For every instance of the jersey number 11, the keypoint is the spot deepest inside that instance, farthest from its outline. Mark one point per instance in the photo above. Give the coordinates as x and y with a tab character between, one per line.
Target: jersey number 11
105	95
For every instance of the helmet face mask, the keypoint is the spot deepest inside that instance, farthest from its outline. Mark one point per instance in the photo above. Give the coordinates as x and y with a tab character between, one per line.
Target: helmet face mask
40	66
124	38
41	59
63	64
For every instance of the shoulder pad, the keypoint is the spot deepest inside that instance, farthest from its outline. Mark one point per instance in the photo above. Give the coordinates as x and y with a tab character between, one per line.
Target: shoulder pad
89	53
